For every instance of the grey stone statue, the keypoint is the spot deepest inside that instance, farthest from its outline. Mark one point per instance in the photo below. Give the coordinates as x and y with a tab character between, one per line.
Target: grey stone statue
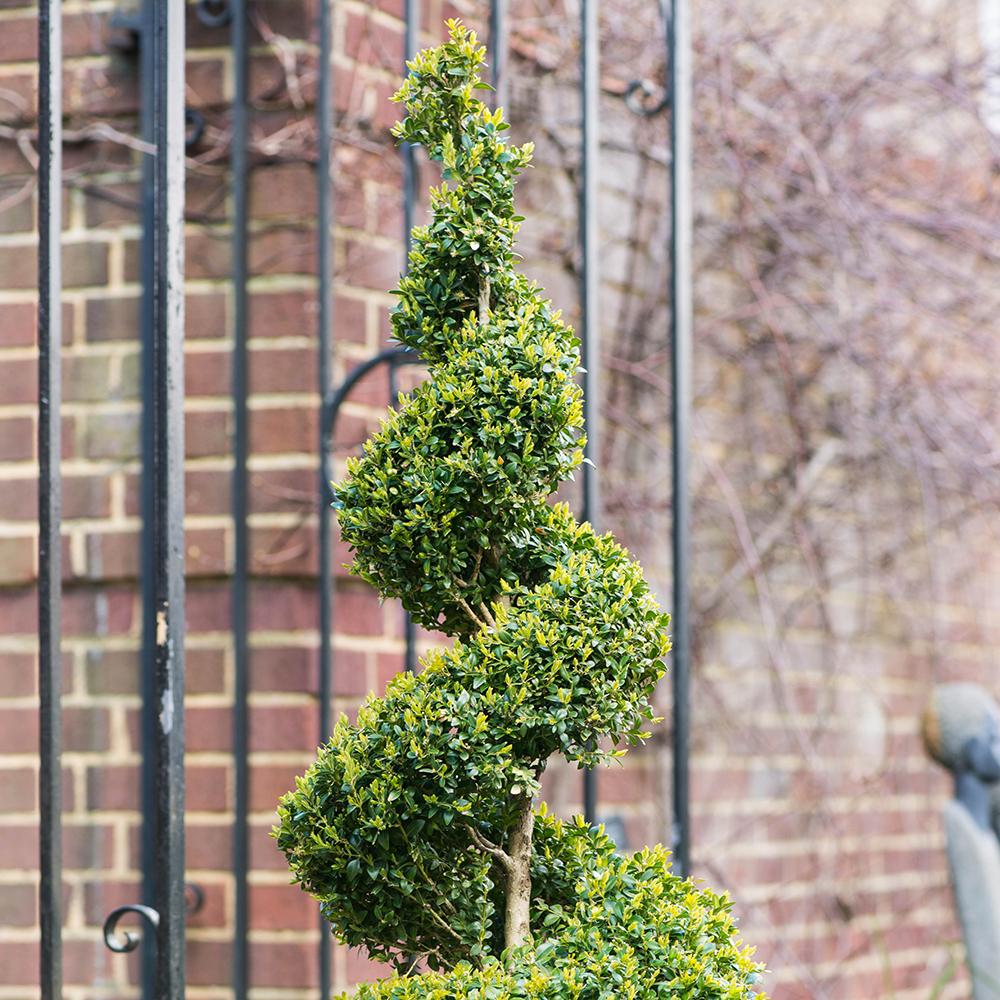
962	733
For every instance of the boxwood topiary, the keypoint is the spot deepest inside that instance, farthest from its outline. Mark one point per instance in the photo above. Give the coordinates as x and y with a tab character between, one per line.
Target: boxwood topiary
416	827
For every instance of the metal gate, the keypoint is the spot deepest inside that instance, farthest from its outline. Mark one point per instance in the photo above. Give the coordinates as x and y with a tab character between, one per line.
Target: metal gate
159	35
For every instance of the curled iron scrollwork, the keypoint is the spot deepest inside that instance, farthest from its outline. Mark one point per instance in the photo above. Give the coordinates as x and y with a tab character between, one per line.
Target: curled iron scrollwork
214	13
127	940
195	122
194	900
639	99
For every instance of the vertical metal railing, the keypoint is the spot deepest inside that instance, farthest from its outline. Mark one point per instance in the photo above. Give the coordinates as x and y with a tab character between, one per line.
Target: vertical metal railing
148	778
498	51
589	295
681	320
324	339
411	35
50	493
159	32
166	362
240	506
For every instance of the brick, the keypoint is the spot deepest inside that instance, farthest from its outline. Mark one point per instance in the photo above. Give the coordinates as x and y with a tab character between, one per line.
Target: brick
112	671
17	678
18	904
87	379
282	727
206	491
283	249
208	607
102	896
203	80
207	254
19	215
17	560
112	435
286	668
283	429
370	266
205	671
268	782
86	729
362	969
282	314
281	908
264	853
122	207
351	201
17	439
108	88
18	731
205	551
350	320
207	373
19	324
282	490
206	787
282	606
205	959
113	787
268	81
282	370
358	611
18	788
209	846
206	433
281	190
112	555
208	729
85	264
113	318
286	964
283	551
204	315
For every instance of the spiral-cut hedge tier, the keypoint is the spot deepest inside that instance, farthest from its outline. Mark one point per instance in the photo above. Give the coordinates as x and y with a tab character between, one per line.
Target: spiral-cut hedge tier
415	827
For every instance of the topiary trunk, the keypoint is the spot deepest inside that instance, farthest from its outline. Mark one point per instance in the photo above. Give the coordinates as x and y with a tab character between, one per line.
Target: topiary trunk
416	828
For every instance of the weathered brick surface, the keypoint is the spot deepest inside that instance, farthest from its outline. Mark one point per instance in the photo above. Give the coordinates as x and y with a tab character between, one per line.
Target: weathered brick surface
837	868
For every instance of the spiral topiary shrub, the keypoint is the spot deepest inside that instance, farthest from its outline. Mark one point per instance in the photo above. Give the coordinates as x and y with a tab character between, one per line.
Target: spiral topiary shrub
416	827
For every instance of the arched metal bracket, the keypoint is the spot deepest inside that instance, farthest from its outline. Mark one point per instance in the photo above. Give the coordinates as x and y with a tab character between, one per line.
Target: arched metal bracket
391	356
194	898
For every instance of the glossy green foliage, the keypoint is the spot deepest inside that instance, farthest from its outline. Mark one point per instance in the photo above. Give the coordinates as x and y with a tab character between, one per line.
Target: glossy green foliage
623	928
559	642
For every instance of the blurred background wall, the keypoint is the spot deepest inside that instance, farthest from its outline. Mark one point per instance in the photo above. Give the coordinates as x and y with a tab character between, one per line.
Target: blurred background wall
846	460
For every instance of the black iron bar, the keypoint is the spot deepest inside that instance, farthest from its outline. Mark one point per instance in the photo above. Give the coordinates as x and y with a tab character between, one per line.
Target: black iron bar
679	62
166	362
148	847
409	629
410	36
50	494
324	342
412	15
589	297
498	51
240	506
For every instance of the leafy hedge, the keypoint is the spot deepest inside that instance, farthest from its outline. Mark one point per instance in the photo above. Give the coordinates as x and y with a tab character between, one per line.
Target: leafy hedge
416	828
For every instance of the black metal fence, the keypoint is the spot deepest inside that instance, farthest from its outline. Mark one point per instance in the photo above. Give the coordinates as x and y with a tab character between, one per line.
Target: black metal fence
159	31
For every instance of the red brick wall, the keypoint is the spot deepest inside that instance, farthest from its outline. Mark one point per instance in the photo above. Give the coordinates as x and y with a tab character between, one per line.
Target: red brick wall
837	881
